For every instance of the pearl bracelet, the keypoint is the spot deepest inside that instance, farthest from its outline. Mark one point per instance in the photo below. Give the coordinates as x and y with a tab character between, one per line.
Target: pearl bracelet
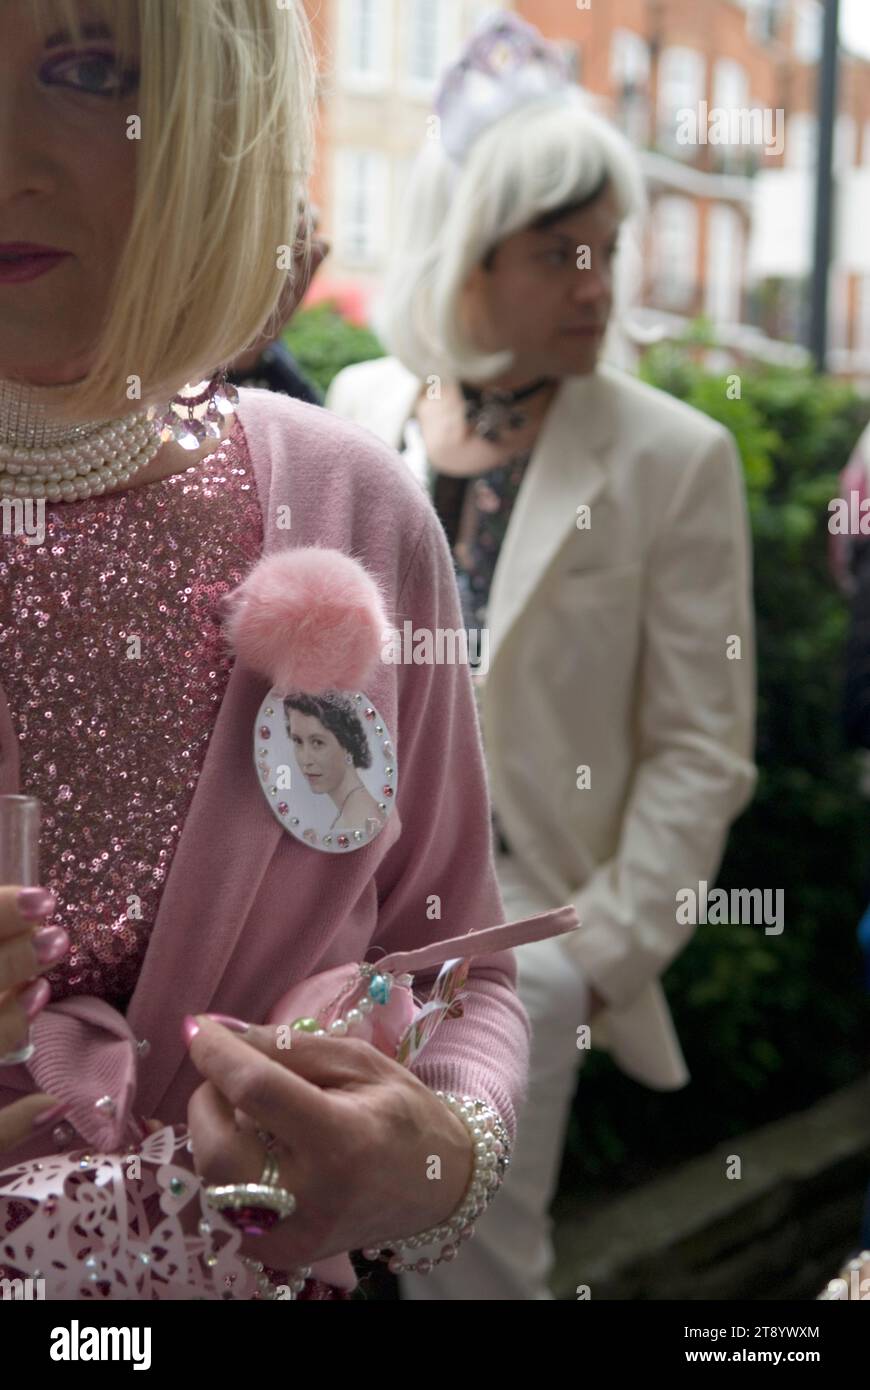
491	1161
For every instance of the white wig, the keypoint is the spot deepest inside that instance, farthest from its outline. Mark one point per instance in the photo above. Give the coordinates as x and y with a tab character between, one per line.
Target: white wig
551	154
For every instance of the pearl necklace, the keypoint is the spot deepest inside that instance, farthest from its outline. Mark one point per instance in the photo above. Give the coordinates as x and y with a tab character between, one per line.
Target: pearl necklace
42	456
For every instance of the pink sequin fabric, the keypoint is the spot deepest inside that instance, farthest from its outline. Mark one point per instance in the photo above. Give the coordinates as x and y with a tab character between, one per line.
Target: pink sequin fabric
114	666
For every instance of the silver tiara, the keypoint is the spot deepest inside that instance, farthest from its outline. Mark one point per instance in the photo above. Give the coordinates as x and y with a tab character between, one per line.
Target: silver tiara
506	64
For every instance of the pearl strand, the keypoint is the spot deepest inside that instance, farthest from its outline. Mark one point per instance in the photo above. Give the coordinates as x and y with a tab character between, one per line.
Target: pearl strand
85	470
41	458
378	989
491	1160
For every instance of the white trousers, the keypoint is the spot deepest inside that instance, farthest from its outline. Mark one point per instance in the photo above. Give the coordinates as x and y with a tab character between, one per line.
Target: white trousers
510	1256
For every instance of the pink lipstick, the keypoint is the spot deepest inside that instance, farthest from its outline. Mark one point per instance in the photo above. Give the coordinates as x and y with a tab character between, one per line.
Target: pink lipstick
21	261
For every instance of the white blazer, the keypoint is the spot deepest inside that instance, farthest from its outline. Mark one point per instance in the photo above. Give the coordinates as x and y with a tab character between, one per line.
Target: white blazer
622	643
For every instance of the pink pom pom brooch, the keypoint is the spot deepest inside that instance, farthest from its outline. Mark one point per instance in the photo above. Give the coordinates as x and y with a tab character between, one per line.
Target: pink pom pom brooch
311	621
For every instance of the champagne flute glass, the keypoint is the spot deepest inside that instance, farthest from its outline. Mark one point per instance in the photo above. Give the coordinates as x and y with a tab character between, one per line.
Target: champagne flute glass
19	865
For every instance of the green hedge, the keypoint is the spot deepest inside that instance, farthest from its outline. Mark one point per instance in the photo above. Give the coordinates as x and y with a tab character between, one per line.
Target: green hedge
323	342
768	1023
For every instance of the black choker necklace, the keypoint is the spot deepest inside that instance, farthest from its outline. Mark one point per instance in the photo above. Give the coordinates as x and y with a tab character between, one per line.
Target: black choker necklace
492	412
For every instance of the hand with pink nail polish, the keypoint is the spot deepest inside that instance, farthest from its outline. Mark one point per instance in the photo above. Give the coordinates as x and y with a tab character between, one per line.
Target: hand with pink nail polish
27	949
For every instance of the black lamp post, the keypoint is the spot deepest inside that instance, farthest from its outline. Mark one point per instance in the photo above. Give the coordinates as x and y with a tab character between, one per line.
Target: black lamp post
818	343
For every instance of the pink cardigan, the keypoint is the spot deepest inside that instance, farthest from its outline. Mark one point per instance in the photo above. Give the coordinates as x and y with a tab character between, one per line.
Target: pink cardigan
247	910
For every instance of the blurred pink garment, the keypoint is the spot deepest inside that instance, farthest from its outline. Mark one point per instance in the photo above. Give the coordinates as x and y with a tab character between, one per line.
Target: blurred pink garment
246	911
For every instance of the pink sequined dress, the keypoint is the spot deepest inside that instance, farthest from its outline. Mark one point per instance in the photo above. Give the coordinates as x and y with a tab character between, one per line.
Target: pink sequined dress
114	666
114	669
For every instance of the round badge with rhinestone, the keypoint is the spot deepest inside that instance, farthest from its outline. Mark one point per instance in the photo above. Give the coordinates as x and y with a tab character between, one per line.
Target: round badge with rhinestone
299	795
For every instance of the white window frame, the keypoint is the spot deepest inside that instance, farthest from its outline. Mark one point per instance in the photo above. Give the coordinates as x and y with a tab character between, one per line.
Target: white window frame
806	31
378	15
674	253
447	43
801	140
678	89
725	251
353	168
730	84
761	18
838	307
730	87
845	142
630	64
629	58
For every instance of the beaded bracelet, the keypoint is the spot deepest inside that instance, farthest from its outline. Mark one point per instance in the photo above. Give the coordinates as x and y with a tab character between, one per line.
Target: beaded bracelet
288	1292
491	1161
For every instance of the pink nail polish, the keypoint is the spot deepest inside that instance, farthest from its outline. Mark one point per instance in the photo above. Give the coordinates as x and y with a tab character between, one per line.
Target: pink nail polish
189	1029
48	1117
50	943
235	1025
34	903
35	997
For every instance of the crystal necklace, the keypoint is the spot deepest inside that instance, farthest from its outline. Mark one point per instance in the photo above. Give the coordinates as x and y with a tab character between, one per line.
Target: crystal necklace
492	412
44	456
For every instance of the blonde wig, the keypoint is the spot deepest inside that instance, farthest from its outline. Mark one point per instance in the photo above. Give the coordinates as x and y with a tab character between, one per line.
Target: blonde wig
226	100
548	155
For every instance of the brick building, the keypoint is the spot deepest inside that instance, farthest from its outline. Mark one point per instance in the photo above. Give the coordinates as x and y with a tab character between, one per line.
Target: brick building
729	234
